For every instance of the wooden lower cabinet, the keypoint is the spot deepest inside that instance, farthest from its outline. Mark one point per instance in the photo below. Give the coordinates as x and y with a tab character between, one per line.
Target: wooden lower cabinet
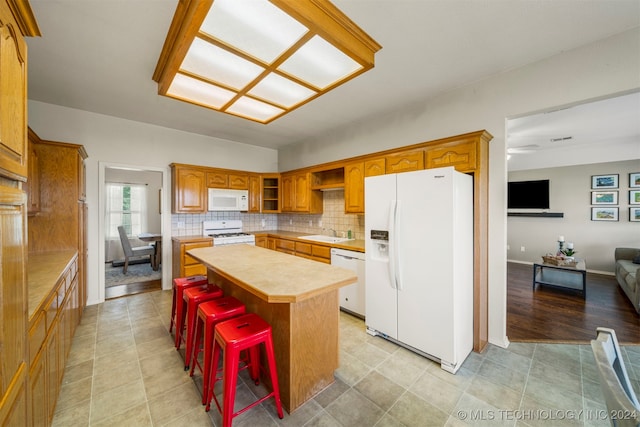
462	156
312	251
51	330
52	353
262	241
286	246
183	264
38	391
315	252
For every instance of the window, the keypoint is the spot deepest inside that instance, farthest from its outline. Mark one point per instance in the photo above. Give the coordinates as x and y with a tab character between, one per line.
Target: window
126	206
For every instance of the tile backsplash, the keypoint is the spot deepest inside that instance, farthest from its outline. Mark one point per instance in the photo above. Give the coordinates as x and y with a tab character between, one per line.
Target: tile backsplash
332	218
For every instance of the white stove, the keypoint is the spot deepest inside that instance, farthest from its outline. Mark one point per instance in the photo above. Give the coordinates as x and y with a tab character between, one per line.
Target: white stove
227	232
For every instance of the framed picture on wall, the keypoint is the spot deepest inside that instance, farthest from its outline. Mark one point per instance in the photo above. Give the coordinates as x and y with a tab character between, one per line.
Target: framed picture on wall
634	214
604	181
604	197
604	214
634	180
634	197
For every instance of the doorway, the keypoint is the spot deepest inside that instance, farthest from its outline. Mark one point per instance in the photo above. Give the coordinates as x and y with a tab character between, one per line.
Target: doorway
566	146
133	201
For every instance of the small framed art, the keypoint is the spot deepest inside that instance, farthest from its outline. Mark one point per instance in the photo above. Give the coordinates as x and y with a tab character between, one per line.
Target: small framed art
634	197
604	181
634	180
634	214
604	214
604	197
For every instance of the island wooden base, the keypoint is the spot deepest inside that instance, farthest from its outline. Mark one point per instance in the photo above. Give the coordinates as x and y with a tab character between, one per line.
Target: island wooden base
306	368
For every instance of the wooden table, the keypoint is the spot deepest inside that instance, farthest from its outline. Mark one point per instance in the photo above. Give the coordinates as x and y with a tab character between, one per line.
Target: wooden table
299	299
562	276
156	239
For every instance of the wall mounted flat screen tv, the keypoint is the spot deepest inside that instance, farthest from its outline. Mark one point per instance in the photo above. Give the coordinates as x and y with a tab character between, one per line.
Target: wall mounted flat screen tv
528	194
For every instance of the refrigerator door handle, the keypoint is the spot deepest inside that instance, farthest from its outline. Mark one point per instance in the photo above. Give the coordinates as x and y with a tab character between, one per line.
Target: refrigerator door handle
397	245
392	249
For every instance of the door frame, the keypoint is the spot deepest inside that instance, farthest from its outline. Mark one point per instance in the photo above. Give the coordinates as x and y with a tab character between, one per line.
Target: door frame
165	221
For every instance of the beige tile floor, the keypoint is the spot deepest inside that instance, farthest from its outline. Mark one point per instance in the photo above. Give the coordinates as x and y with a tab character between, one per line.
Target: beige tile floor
124	371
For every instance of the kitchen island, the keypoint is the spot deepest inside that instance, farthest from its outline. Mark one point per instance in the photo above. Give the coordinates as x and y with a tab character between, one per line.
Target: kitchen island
298	298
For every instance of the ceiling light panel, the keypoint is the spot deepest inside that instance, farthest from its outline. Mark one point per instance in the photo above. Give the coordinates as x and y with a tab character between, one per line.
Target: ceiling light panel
218	65
281	91
188	88
254	109
255	27
320	63
259	59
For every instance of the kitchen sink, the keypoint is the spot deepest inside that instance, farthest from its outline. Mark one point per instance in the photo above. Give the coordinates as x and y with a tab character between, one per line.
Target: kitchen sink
324	239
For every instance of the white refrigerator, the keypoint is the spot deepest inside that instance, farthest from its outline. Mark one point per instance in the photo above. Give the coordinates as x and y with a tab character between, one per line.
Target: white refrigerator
419	262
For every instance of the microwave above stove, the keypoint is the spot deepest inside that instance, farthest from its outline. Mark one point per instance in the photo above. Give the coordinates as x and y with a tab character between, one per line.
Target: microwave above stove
228	200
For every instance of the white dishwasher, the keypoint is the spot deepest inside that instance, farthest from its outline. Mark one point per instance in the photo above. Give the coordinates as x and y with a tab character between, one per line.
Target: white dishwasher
351	297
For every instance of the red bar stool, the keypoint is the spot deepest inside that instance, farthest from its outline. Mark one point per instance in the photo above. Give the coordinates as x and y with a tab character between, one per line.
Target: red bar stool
179	285
191	299
245	332
209	314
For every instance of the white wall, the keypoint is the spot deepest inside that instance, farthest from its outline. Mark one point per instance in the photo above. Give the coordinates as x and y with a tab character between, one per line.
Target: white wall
609	66
570	193
112	141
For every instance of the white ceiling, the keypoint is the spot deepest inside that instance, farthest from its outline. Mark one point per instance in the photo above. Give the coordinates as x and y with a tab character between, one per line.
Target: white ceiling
99	56
592	132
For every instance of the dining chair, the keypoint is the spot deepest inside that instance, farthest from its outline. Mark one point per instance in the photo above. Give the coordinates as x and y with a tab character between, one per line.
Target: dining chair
623	409
130	252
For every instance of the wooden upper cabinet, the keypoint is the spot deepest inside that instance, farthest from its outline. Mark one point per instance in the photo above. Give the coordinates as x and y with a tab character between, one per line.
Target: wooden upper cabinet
254	193
306	199
270	197
32	186
189	190
354	187
223	179
374	167
217	180
302	193
238	182
13	97
405	161
462	156
297	195
328	179
82	179
288	193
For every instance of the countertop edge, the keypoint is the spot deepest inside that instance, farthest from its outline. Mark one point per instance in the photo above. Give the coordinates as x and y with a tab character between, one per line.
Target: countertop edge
42	291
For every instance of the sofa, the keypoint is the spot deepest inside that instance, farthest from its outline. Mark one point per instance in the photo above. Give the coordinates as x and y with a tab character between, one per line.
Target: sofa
627	265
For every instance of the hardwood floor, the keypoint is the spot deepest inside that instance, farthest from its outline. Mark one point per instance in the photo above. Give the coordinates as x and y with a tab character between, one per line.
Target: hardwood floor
556	315
132	289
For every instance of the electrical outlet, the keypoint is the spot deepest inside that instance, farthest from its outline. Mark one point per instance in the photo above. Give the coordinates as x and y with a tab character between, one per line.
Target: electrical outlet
290	222
521	248
310	223
319	223
180	224
508	247
263	222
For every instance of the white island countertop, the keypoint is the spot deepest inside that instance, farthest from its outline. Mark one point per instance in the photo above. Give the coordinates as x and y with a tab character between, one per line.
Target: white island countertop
273	276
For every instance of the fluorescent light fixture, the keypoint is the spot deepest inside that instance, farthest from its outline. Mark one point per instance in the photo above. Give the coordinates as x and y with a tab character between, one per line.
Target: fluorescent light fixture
260	59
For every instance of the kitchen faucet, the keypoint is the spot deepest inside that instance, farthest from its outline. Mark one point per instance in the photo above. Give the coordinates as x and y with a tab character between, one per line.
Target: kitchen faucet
333	231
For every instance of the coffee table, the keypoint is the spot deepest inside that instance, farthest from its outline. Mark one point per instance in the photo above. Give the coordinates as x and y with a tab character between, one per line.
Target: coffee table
562	276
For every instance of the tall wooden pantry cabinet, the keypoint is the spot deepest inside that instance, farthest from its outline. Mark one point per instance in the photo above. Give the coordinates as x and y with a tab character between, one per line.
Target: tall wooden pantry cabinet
16	22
